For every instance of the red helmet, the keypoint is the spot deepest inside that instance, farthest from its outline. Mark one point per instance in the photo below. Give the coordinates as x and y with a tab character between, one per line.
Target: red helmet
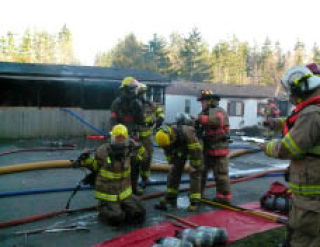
314	68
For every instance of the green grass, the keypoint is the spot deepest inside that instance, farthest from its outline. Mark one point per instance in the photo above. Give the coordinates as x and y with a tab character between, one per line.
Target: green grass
264	239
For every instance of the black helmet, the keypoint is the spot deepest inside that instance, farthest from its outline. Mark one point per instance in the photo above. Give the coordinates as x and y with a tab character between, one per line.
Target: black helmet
207	94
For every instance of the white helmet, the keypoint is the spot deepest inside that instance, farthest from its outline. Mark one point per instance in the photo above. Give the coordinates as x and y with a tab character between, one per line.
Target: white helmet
300	80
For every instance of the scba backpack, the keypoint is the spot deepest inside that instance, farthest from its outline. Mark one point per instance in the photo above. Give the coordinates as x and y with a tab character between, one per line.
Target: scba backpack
277	199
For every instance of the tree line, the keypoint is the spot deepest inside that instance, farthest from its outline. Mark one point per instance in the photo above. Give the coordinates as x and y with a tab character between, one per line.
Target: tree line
181	57
38	47
190	58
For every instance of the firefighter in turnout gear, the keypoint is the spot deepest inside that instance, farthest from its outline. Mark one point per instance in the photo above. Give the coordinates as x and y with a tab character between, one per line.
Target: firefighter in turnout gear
127	109
153	117
301	144
113	188
214	123
270	112
180	143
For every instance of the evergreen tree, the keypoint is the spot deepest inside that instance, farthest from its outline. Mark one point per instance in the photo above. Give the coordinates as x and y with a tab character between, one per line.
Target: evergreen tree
175	47
157	56
44	47
103	59
299	56
26	53
196	58
3	48
315	53
128	53
10	49
65	47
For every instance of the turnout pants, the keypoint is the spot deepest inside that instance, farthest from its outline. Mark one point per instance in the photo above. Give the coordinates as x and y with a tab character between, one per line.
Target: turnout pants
145	164
174	178
304	227
220	167
116	213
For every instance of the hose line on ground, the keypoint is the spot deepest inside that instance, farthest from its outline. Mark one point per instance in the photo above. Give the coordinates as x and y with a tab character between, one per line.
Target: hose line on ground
143	197
81	188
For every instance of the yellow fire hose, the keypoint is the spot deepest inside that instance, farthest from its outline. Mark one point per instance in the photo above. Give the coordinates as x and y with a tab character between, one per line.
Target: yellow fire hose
67	163
269	217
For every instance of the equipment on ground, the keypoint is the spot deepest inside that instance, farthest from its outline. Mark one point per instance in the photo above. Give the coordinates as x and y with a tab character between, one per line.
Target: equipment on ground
277	198
199	236
173	242
52	230
204	236
266	216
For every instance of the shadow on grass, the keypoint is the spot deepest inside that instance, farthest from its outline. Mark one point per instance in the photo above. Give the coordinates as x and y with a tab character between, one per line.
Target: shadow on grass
264	239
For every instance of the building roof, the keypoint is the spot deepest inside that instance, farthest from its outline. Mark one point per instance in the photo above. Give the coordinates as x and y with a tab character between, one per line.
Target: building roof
223	90
8	69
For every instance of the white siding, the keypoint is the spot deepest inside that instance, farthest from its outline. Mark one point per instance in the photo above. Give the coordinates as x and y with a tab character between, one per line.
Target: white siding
33	122
176	103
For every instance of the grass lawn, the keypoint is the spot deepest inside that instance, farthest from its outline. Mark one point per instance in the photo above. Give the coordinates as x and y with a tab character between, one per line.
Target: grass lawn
264	239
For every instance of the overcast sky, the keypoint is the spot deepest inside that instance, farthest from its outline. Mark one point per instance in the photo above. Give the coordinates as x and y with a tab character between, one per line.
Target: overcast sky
97	25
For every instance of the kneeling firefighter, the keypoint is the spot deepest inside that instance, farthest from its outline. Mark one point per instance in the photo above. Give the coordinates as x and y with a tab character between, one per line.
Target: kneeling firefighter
180	143
113	184
301	144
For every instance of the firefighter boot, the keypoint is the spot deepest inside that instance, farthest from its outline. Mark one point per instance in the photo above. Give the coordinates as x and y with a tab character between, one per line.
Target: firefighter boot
137	190
166	203
194	206
145	182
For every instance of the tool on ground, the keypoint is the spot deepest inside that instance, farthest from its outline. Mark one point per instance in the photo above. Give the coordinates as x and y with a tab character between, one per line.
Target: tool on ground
86	180
52	230
183	221
266	216
178	224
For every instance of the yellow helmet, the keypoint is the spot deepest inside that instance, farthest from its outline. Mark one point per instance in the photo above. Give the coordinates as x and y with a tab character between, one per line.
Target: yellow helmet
162	137
129	82
119	133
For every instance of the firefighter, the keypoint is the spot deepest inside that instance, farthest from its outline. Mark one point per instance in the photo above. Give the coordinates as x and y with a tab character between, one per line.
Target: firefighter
215	125
180	143
279	122
271	110
153	117
127	109
301	144
113	188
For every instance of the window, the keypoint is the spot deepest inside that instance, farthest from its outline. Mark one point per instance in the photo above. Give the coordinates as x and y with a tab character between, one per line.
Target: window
260	109
158	94
235	108
187	106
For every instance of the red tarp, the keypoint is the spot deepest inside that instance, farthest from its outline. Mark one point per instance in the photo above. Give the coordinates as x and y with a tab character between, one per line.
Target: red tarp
238	225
